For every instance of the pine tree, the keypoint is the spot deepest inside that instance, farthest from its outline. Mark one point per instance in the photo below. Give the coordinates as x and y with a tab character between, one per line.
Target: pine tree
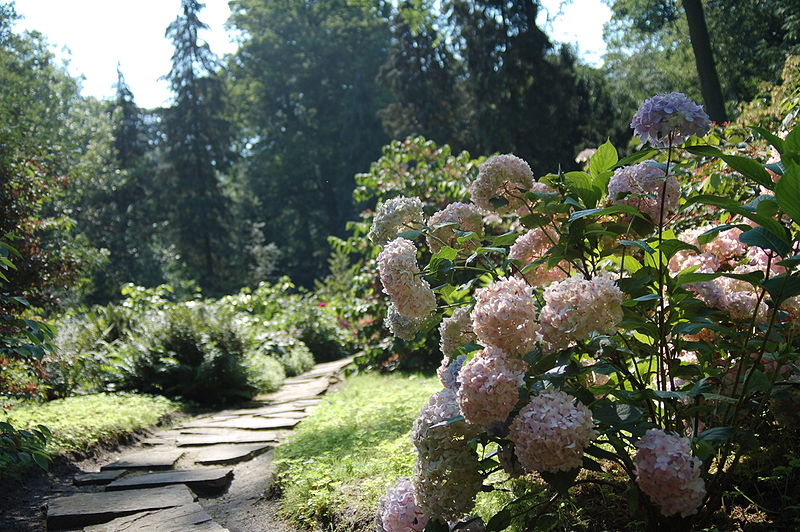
197	150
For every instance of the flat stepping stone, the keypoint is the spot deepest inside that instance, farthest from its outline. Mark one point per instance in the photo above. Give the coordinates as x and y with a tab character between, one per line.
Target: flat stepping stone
81	509
97	479
228	437
230	454
195	478
160	441
294	414
146	459
179	519
249	423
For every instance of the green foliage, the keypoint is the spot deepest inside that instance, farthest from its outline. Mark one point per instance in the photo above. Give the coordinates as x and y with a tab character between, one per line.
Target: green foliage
342	458
78	423
265	372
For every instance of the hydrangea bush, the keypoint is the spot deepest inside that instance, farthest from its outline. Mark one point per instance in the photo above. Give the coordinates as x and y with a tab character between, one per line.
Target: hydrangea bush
628	324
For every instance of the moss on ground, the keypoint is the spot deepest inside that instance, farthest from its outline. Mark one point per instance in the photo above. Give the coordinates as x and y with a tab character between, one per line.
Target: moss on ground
78	423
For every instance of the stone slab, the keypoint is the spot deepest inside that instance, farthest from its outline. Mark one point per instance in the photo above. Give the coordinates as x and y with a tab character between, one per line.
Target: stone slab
158	441
294	414
230	454
179	519
207	479
97	479
81	509
146	459
228	437
248	423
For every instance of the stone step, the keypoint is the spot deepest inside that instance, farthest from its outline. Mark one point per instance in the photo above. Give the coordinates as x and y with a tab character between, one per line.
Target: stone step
82	509
228	436
146	459
203	479
189	517
246	423
230	454
97	479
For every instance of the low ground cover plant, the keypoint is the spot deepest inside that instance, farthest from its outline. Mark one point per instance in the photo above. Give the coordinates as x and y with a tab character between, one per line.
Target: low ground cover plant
638	321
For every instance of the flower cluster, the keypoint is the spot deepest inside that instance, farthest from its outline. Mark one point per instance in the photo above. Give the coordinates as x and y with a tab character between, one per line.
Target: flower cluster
396	216
668	473
534	245
455	331
490	385
576	307
446	472
402	281
505	316
550	433
502	177
403	327
448	372
669	119
641	185
399	512
465	216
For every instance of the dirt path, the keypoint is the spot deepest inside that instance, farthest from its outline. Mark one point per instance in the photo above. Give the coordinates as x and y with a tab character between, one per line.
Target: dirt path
209	473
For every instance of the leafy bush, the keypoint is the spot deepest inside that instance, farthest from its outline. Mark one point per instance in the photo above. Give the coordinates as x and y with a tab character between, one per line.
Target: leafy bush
292	354
264	372
607	340
188	351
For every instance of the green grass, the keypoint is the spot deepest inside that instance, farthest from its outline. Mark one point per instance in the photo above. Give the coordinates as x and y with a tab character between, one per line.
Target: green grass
341	460
77	423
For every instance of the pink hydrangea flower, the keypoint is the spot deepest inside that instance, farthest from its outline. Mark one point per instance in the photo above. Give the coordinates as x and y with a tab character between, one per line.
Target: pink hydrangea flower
400	513
505	316
465	216
550	433
403	327
490	384
668	473
666	115
533	245
576	307
402	280
640	187
504	177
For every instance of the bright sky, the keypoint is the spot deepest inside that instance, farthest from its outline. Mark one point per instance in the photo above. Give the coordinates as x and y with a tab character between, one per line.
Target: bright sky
96	34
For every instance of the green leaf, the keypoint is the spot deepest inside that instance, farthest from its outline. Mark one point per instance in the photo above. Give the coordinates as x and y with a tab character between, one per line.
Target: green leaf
769	137
671	246
641	244
498	203
613	209
716	434
761	237
531	221
445	253
499	521
709	235
411	235
747	167
734	208
603	159
561	481
782	287
636	157
787	192
506	239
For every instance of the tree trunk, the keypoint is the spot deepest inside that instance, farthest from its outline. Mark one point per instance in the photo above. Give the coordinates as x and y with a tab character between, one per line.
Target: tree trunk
704	60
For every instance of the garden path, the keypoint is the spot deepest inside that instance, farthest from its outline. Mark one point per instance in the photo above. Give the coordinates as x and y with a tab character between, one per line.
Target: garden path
207	474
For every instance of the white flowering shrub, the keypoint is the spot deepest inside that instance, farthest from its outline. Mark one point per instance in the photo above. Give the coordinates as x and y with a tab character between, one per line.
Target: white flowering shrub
631	325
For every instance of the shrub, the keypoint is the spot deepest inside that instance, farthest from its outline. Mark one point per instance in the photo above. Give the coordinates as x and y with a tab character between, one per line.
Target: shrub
292	354
264	372
662	359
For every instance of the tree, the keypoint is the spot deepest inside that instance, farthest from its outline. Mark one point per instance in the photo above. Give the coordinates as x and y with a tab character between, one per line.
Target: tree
420	72
197	151
304	82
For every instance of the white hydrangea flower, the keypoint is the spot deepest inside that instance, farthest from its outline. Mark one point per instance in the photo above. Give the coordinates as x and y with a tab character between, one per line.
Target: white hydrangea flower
403	327
402	280
505	177
576	307
505	316
455	331
668	473
550	433
534	245
465	216
395	216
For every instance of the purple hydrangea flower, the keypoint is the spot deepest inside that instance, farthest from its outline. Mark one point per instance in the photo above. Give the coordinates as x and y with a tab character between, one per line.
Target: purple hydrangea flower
669	113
